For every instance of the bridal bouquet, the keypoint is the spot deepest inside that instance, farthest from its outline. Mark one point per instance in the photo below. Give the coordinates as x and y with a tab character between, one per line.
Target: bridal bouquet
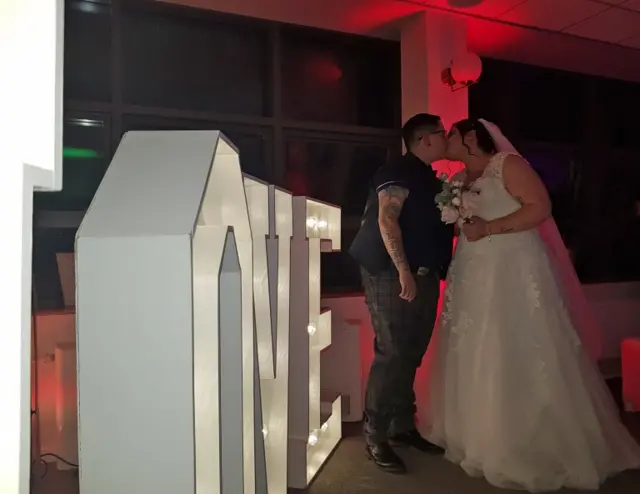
455	201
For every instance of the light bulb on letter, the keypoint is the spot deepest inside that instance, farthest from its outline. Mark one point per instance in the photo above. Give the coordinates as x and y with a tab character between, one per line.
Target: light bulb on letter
313	438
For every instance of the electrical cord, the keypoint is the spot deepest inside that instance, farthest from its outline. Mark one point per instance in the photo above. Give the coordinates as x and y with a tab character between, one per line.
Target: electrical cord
45	465
59	458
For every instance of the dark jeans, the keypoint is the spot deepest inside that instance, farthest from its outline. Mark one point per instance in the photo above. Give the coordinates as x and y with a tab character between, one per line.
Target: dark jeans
402	333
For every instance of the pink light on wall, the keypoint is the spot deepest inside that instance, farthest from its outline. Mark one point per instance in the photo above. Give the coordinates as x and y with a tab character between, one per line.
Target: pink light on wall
324	70
631	374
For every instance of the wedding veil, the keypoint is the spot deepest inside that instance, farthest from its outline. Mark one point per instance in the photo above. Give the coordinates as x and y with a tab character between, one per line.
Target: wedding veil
579	310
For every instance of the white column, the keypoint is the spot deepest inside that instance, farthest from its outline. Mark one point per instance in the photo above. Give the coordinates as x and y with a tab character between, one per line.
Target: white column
430	41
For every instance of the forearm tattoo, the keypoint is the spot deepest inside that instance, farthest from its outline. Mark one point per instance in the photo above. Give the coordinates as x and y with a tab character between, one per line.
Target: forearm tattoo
391	202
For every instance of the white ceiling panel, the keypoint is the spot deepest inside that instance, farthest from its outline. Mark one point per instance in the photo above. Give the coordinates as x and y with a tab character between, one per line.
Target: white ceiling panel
632	42
486	8
631	4
610	21
554	15
613	25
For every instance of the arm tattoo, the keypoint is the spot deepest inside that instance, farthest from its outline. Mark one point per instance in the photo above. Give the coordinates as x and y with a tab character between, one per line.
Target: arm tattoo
391	202
396	251
392	199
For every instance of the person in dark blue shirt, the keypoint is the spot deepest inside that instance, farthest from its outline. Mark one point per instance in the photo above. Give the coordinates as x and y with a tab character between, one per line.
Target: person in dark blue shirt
404	250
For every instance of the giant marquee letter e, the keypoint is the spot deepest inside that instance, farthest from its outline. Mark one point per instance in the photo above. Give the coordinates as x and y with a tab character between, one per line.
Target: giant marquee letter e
312	436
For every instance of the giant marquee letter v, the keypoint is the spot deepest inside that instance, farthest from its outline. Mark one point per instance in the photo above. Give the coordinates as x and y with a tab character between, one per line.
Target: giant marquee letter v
270	210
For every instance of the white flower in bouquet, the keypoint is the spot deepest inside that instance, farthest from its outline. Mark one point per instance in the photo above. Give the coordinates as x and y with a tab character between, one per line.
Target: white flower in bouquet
449	215
455	201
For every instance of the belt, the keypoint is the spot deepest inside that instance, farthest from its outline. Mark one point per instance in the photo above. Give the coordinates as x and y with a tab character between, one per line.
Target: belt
423	271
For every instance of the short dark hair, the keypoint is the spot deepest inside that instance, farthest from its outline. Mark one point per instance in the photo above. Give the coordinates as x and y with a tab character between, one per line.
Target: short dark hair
416	124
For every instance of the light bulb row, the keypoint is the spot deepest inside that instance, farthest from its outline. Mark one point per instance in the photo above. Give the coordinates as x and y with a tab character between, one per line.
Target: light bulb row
314	435
316	224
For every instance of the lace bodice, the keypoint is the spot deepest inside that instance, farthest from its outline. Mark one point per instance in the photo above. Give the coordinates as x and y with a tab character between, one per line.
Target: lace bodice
493	200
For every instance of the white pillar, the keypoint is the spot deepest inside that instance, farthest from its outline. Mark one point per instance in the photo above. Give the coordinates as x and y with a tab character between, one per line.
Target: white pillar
430	40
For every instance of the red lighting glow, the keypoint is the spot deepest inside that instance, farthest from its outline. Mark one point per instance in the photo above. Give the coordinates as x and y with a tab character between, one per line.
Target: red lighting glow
324	69
631	374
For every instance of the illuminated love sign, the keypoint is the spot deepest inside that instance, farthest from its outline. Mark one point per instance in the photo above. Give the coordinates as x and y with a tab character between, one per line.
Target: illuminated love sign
199	325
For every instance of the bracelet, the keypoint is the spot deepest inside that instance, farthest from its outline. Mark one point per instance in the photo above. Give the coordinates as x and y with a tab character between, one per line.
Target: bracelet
487	229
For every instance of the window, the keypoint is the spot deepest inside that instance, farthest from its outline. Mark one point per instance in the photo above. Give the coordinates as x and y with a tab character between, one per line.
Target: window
254	143
186	59
550	104
87	50
490	97
48	242
327	77
620	103
558	169
607	216
620	213
86	158
337	171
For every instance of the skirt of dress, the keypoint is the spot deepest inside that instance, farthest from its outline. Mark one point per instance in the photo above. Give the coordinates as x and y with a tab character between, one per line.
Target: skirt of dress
512	394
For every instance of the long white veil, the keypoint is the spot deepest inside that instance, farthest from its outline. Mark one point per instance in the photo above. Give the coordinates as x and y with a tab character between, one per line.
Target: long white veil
580	312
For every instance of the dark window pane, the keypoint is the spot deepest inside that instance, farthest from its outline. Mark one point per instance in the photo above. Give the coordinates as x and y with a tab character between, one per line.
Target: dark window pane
87	50
620	104
181	58
606	216
619	225
550	104
488	98
254	143
339	173
86	158
557	167
48	242
327	77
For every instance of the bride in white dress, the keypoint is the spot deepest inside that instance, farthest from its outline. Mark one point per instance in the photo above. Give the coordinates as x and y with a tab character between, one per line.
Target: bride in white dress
513	393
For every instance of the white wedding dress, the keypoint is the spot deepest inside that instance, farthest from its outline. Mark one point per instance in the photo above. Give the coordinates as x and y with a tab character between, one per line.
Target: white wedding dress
513	395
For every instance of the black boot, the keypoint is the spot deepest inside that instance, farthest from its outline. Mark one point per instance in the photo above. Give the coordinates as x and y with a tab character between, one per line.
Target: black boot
383	455
413	439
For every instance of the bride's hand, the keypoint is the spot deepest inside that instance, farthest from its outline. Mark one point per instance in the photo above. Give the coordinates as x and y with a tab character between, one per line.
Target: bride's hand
475	229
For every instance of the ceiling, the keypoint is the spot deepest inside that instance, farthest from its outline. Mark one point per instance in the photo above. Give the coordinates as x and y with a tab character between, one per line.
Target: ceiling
610	21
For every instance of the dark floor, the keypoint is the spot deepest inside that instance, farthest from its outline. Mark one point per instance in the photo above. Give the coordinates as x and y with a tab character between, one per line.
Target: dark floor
348	472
